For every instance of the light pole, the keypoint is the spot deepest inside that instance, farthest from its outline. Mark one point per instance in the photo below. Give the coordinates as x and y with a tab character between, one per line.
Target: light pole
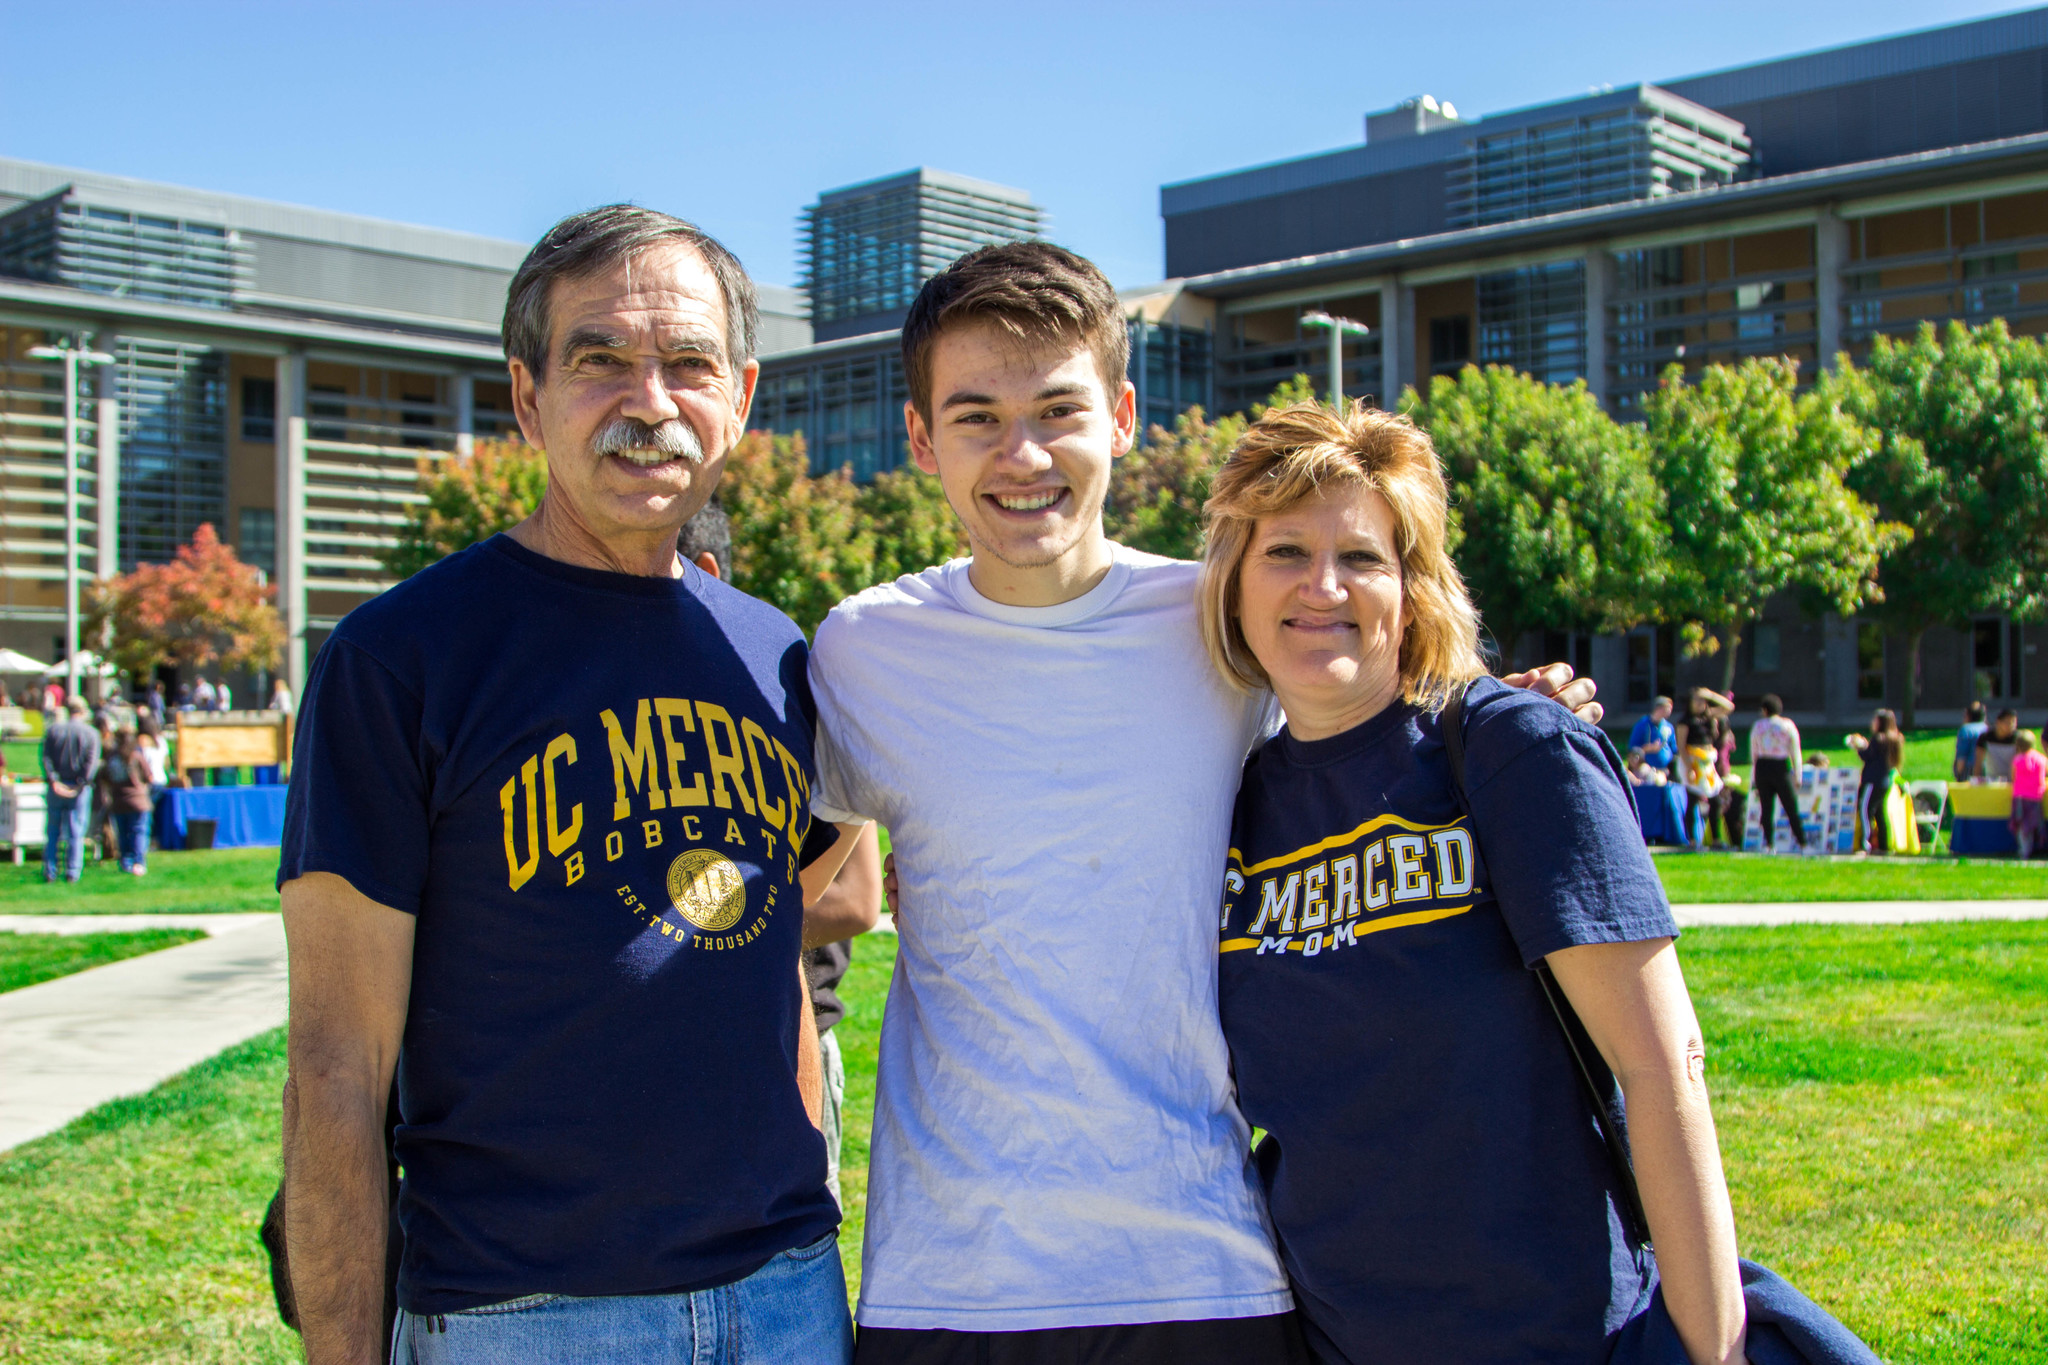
73	352
1339	329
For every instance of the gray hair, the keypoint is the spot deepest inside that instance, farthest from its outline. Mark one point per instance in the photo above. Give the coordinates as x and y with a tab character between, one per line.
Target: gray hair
585	243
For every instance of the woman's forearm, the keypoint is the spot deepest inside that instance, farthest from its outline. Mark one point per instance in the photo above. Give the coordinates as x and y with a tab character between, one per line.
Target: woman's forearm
1633	1001
1685	1198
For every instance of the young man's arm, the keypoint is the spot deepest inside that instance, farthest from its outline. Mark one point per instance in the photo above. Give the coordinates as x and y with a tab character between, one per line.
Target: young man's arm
1556	682
351	978
852	904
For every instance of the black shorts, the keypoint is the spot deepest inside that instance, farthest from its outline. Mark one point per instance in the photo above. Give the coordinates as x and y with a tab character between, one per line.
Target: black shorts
1274	1340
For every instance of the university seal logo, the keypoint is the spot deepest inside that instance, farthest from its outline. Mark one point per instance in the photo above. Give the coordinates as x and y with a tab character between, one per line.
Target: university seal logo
707	889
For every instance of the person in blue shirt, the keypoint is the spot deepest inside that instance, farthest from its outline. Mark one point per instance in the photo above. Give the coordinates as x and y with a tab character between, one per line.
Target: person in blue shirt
1655	735
547	847
1972	730
1435	1178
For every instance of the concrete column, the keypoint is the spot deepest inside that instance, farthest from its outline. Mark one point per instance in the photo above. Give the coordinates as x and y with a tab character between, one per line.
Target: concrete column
1599	287
1391	333
1830	254
290	533
1399	341
465	415
107	487
1838	667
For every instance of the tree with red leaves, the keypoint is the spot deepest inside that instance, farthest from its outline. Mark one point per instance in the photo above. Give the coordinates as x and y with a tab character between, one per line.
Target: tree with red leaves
203	608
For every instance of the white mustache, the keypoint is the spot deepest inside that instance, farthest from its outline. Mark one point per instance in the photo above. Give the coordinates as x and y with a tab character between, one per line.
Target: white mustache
623	435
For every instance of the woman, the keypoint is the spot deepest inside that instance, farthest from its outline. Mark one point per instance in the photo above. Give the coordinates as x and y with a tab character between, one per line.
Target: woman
1774	771
126	779
1439	1188
1883	752
1704	726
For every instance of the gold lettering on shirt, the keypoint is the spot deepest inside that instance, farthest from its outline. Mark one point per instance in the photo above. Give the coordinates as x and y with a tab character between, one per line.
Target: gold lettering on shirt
560	840
522	872
629	762
730	763
668	710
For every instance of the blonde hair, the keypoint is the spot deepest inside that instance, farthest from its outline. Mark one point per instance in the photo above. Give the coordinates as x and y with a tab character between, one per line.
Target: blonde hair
2026	741
1291	454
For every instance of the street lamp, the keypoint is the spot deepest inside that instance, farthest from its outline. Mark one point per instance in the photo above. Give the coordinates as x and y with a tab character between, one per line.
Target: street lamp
73	352
1339	329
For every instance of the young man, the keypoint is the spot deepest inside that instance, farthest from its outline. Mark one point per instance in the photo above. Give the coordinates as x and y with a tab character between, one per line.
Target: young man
1058	1169
1996	746
1655	735
1967	734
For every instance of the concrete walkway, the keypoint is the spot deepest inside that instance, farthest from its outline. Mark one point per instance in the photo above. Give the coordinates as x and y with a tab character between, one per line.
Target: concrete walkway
70	1045
1814	912
1857	912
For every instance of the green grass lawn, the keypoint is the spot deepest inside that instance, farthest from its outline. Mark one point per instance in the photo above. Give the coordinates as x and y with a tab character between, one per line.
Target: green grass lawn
131	1234
1696	878
1883	1115
26	959
183	882
1879	1091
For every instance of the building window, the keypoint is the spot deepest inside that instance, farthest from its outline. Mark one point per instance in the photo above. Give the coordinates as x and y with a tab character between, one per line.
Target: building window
1869	661
1759	320
1982	298
1450	342
256	541
259	409
1994	658
329	401
1534	320
1764	647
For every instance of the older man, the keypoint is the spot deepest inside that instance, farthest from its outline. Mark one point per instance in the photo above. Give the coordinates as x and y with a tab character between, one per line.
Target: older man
542	855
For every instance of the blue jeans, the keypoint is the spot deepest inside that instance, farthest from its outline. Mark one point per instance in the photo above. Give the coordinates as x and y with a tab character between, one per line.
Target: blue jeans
791	1311
132	829
64	823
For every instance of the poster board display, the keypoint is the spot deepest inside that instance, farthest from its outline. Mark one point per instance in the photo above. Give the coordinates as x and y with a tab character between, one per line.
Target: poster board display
1827	805
233	739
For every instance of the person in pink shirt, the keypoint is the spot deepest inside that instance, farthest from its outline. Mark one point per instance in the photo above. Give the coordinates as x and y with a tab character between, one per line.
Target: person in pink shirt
2029	784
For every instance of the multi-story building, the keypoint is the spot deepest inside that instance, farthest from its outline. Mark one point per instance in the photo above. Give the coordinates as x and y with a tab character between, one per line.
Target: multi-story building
867	249
1794	207
277	372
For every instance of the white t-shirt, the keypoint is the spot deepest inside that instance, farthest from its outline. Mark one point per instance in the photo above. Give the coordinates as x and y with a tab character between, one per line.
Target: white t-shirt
1056	1141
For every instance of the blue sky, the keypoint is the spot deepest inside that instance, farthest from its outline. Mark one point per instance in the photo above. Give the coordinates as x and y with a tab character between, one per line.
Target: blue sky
499	118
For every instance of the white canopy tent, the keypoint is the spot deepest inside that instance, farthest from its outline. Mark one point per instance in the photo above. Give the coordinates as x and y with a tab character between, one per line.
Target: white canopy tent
14	661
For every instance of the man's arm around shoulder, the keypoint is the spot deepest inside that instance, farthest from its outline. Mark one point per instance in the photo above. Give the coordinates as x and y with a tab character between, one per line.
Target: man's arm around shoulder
351	978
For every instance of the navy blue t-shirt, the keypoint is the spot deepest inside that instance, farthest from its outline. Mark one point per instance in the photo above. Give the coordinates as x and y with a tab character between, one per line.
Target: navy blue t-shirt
592	791
1432	1166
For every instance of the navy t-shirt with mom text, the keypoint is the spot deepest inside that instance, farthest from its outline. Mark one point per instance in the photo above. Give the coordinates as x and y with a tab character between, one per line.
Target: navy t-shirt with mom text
592	791
1431	1164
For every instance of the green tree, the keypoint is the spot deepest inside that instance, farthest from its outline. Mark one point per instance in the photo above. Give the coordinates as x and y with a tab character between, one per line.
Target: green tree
1754	475
467	500
1962	457
912	525
1557	523
1157	491
797	542
204	607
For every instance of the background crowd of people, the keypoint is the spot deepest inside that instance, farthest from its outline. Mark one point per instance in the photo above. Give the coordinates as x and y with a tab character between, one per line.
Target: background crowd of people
105	766
1694	748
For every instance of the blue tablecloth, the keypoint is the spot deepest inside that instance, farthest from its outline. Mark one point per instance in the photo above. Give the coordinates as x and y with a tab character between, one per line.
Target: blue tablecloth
1661	813
1967	835
244	817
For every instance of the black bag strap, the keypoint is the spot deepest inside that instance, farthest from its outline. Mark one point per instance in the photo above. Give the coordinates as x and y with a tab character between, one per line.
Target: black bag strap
1610	1113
